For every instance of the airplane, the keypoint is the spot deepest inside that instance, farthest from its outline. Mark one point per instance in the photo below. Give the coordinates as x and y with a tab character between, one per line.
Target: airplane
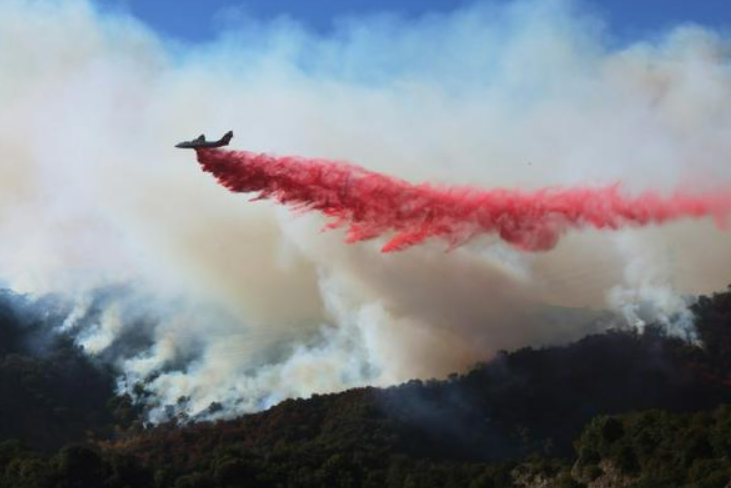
201	142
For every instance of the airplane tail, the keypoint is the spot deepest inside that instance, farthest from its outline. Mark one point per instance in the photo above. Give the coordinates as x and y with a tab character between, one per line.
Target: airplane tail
227	137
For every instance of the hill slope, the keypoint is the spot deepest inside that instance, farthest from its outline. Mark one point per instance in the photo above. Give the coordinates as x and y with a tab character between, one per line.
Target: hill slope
513	421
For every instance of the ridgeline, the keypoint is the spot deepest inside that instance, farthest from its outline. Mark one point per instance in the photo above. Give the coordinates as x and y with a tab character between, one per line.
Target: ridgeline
618	409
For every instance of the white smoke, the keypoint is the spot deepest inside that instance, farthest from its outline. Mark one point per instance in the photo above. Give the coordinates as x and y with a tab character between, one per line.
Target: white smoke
213	300
647	294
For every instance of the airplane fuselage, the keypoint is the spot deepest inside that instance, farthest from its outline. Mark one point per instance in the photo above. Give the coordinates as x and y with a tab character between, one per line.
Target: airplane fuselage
201	143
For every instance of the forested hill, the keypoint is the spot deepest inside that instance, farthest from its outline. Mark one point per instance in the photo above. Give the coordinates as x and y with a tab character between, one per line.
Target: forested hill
51	393
527	401
517	418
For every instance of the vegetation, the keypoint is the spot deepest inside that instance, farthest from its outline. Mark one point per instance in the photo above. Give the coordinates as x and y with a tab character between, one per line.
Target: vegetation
615	409
661	449
51	393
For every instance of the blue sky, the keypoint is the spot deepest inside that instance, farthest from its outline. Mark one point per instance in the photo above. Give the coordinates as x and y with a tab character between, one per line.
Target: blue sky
196	21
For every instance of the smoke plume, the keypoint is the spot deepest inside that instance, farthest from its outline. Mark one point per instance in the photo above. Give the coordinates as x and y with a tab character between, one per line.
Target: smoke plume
204	300
373	204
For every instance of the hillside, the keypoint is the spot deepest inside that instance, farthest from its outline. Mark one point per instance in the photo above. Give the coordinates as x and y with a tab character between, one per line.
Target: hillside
613	409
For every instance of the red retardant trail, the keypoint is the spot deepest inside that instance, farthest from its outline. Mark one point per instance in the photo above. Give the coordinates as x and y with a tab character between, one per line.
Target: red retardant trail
372	204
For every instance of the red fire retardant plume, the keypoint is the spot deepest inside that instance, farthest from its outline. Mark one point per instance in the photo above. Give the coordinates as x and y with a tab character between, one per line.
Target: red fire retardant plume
371	204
